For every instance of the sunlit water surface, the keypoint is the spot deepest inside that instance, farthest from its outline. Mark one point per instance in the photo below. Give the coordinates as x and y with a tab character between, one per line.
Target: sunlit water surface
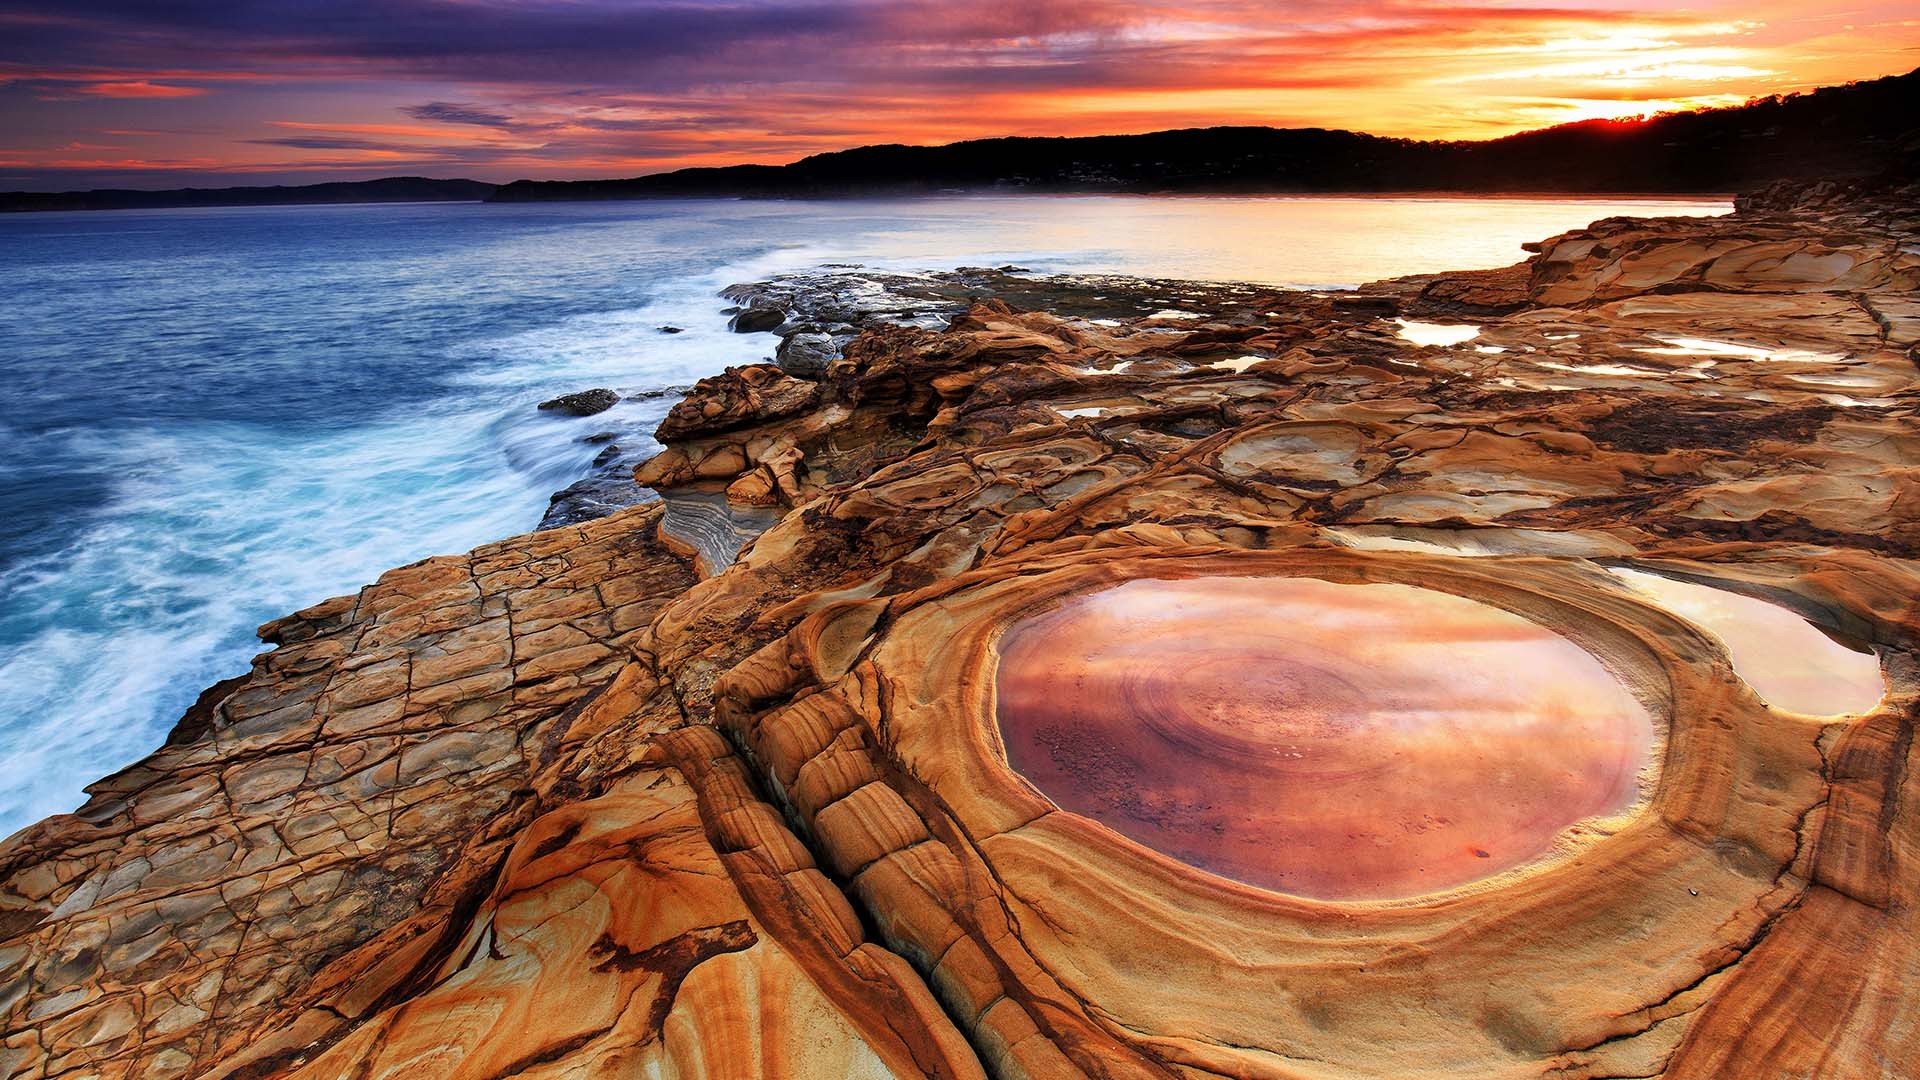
214	417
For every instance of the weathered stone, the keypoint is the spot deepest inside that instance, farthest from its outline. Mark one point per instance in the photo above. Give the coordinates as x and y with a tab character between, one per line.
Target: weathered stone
806	355
567	805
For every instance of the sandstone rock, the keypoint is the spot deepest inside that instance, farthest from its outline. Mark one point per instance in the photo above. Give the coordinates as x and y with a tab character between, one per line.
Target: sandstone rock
732	786
306	849
754	394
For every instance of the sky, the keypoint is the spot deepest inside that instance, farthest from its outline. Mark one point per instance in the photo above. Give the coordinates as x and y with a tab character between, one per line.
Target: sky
162	93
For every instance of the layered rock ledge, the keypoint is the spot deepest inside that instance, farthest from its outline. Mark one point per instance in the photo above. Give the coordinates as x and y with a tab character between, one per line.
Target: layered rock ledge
717	786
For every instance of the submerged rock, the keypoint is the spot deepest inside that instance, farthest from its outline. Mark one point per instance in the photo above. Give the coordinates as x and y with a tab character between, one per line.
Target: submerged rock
583	403
608	490
762	780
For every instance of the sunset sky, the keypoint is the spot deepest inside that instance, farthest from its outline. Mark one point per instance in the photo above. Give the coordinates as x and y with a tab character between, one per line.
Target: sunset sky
150	93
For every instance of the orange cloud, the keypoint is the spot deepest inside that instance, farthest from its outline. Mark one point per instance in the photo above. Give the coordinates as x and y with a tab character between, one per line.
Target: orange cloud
405	131
137	89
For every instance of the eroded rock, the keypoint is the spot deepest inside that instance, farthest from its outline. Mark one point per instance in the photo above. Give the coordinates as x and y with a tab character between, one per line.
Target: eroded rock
722	787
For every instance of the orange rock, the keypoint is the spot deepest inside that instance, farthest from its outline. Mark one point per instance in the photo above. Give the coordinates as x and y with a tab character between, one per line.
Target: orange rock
823	768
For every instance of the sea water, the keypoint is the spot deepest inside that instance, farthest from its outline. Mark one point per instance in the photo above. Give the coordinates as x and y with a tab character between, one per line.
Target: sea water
215	417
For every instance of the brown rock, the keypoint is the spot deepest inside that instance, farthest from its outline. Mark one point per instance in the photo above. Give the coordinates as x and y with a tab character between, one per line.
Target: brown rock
817	799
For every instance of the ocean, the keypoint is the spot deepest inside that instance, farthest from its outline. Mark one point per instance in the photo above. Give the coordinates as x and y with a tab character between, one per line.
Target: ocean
215	417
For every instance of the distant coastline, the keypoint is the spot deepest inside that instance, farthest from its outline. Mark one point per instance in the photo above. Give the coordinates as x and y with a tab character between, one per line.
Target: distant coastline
1858	130
393	189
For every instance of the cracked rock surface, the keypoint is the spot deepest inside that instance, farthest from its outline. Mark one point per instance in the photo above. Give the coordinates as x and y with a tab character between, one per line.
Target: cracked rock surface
716	786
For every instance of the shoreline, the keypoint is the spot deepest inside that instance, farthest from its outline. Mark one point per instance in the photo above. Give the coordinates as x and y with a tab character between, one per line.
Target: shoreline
970	194
453	444
752	726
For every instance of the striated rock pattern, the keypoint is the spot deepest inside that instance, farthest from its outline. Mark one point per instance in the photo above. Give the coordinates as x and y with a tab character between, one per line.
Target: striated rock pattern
720	787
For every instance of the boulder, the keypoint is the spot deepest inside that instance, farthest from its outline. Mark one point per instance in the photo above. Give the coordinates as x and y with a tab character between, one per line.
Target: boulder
583	403
755	394
806	355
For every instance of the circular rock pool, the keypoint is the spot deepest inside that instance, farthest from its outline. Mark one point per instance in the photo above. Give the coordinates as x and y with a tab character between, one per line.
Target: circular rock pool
1334	741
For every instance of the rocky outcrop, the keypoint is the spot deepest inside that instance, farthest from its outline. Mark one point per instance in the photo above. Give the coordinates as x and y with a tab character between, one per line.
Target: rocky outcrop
1619	258
728	786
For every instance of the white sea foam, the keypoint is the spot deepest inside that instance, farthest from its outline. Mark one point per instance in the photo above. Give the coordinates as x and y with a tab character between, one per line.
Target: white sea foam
214	528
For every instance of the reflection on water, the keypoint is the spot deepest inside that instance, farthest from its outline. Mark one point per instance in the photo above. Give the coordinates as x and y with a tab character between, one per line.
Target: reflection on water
1333	741
1238	363
1440	334
1691	346
1785	658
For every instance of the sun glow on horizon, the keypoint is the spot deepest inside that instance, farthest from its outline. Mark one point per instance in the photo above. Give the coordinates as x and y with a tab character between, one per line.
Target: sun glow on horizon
546	89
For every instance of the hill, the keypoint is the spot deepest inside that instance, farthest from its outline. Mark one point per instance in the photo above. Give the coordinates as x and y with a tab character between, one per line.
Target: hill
1858	129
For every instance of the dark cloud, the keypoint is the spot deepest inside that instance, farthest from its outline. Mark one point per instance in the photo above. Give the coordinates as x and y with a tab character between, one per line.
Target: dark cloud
335	142
486	41
453	112
651	46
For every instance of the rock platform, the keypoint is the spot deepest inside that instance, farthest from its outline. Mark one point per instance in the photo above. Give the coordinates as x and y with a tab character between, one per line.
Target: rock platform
716	787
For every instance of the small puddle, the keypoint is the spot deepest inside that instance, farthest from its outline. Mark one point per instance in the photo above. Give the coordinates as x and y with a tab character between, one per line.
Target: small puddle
1474	543
1691	346
1613	370
1785	658
1841	379
1238	363
1437	334
1326	740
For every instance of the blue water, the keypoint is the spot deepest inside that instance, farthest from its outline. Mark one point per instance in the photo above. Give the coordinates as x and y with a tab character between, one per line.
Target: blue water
214	417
